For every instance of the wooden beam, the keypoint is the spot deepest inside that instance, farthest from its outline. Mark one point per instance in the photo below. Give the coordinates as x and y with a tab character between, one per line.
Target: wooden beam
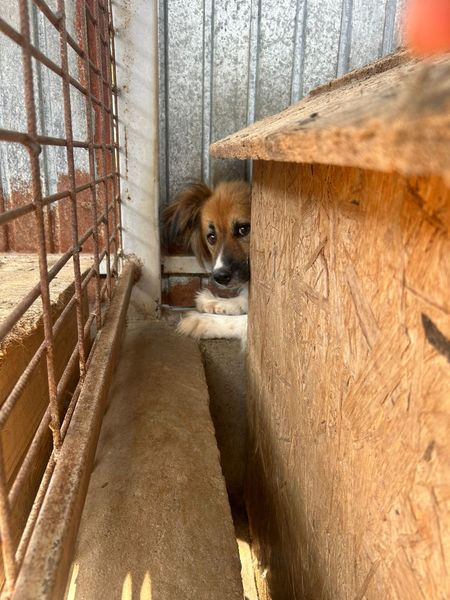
181	265
393	115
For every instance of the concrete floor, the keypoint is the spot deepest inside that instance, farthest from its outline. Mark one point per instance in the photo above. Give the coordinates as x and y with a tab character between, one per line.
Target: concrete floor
157	524
224	364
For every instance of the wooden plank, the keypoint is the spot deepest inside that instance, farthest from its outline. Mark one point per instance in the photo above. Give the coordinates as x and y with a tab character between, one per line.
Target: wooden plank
392	115
349	377
181	265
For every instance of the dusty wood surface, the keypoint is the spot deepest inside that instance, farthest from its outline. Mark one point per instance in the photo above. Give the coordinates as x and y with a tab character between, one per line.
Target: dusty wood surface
18	274
47	561
392	115
349	379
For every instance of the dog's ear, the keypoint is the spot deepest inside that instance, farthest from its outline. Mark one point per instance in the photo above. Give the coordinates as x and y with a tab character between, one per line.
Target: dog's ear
181	219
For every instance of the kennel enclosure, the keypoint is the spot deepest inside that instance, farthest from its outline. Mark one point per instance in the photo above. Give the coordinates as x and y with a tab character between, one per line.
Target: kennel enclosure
348	344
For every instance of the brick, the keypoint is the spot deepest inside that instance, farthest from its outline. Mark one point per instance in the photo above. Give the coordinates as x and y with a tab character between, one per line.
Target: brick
180	291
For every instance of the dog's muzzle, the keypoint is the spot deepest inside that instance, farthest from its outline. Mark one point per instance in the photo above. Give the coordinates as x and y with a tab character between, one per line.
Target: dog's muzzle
222	276
232	275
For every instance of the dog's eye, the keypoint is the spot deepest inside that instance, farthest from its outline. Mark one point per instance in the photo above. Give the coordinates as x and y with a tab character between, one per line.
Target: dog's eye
243	230
211	237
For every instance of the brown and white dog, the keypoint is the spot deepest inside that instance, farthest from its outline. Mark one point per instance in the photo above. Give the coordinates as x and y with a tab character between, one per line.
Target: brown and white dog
215	224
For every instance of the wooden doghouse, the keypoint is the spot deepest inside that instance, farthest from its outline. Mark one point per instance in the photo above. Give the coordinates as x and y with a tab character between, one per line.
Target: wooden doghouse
349	337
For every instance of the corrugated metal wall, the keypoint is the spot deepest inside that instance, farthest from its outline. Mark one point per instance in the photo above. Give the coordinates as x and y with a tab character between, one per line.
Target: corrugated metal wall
225	63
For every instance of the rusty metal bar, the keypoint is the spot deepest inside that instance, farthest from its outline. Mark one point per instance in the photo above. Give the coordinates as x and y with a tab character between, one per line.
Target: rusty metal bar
20	211
89	115
40	223
45	482
74	358
35	143
17	390
37	504
72	184
28	463
5	229
54	20
35	509
7	135
97	54
59	520
17	37
7	324
8	546
103	130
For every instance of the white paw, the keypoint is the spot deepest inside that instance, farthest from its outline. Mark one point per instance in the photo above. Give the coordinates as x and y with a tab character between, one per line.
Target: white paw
207	326
193	325
206	302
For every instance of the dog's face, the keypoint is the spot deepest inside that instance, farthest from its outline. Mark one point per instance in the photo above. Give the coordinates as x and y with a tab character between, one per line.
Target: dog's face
216	225
225	224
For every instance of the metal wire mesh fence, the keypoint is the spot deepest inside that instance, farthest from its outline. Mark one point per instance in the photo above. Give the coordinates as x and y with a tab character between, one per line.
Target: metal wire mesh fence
85	64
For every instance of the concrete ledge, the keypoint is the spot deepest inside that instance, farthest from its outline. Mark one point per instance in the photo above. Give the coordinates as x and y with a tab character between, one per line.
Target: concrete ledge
44	570
157	520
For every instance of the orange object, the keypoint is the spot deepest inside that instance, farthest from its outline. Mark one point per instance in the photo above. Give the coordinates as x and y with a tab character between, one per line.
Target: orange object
427	26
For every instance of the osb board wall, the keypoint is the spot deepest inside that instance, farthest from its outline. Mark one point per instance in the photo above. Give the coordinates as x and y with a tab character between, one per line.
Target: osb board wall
349	383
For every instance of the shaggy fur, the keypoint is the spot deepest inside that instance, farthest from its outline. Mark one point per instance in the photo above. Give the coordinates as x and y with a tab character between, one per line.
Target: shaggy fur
215	225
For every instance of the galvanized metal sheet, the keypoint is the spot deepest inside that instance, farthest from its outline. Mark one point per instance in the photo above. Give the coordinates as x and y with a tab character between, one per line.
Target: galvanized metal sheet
321	43
228	81
225	63
275	55
184	94
367	32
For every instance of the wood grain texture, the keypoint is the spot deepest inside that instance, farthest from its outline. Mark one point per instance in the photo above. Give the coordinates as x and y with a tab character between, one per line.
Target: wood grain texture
391	116
349	384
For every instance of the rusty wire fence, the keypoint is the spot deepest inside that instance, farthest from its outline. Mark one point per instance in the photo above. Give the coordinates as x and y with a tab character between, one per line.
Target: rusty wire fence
85	207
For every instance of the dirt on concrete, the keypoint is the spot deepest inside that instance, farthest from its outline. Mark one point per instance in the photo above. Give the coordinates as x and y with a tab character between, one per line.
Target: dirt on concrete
225	374
157	523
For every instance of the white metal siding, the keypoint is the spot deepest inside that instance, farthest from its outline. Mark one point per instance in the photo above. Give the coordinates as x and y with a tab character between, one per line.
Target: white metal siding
225	63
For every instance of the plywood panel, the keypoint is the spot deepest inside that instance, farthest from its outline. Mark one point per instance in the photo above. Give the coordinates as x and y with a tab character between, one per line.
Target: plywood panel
349	380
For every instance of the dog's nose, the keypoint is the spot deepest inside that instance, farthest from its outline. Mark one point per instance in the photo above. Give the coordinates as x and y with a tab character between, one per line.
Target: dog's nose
222	276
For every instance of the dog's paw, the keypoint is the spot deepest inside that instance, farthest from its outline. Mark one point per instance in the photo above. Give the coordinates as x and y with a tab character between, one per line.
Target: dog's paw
193	325
206	302
207	326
